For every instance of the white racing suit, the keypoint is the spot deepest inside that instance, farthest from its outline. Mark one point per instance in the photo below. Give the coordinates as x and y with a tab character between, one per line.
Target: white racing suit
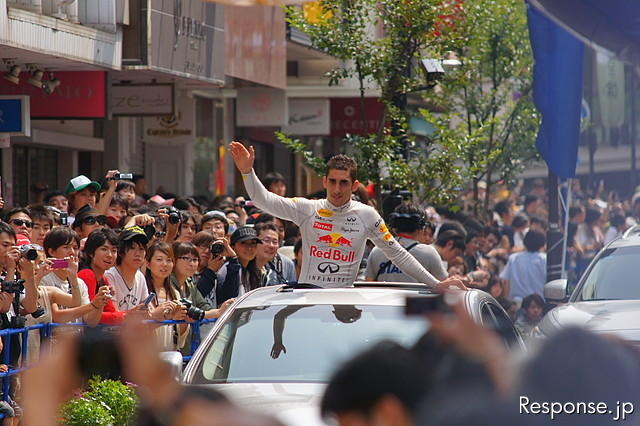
334	238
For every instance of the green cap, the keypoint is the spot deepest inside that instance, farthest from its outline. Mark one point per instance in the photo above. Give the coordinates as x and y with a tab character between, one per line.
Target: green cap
79	183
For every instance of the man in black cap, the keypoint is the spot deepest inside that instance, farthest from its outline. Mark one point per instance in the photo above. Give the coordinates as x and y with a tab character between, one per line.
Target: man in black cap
126	278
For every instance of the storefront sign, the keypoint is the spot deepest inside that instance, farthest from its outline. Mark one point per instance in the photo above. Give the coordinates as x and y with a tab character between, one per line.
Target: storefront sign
258	107
14	116
308	117
346	116
174	129
81	94
142	99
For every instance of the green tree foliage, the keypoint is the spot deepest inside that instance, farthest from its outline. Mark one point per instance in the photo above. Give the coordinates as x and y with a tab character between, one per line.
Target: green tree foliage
488	123
488	97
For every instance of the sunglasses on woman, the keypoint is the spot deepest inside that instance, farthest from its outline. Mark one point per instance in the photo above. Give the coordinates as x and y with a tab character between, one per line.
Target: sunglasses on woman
20	222
90	220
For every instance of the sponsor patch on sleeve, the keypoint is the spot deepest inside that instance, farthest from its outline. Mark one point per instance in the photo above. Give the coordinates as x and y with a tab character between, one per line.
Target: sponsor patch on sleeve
383	229
387	236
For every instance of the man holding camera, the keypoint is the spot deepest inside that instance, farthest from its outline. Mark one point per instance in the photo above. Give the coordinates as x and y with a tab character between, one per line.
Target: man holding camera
334	230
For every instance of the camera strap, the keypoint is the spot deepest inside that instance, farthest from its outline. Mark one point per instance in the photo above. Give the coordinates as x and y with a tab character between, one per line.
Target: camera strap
388	262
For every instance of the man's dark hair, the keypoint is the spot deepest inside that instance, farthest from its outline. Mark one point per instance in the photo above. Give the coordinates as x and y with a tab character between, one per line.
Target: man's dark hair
530	198
16	210
617	219
343	162
471	234
408	218
503	207
58	237
265	226
209	216
41	213
519	221
50	195
538	220
6	228
271	178
533	298
97	238
124	246
124	184
574	211
592	215
534	241
451	235
452	226
117	200
385	369
137	177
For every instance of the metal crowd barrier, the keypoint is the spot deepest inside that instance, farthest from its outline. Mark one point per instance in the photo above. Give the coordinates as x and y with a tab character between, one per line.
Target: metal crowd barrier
45	333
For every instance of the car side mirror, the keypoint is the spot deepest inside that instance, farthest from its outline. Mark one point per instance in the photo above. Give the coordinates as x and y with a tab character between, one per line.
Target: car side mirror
556	290
173	359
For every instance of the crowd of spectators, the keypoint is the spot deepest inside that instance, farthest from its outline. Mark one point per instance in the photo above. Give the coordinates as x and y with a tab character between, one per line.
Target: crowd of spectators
102	250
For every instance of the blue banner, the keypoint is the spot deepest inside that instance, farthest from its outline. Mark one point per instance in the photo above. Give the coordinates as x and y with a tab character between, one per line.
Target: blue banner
557	91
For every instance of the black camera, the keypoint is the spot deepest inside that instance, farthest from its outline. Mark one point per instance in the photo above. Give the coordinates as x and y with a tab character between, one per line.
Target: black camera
38	312
174	215
123	176
13	286
217	248
192	312
150	231
30	251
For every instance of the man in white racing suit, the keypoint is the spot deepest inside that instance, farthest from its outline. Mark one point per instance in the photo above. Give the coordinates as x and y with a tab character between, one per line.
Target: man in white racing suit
334	230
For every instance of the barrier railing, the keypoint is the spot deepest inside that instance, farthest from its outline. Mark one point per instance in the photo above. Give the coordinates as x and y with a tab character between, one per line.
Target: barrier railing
46	332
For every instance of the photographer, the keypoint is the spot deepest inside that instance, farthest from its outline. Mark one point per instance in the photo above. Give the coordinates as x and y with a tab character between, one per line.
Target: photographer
159	268
220	280
63	244
18	218
186	260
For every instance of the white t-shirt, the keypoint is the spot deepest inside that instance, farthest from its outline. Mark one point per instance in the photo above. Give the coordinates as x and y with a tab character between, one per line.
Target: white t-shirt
127	298
52	280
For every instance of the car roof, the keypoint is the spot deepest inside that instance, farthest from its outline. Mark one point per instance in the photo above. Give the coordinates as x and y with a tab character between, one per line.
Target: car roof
630	238
371	293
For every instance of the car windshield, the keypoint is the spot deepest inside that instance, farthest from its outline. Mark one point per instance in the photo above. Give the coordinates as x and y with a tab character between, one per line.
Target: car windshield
300	343
612	277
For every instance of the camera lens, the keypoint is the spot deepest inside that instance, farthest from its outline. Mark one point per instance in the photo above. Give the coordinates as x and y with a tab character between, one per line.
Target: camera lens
174	218
217	248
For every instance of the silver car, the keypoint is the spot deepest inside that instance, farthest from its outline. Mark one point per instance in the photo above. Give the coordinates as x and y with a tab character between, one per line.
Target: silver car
275	349
606	299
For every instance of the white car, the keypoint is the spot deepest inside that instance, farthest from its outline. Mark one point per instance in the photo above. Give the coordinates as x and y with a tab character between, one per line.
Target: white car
275	349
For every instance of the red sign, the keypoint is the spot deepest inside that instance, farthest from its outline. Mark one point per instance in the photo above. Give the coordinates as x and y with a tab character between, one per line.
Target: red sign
347	118
81	94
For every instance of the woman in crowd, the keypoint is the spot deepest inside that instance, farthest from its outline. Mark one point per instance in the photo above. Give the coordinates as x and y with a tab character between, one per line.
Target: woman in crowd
188	227
100	251
160	261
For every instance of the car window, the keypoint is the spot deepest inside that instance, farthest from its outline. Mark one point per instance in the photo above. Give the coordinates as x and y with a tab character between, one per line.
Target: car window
494	318
297	343
612	276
